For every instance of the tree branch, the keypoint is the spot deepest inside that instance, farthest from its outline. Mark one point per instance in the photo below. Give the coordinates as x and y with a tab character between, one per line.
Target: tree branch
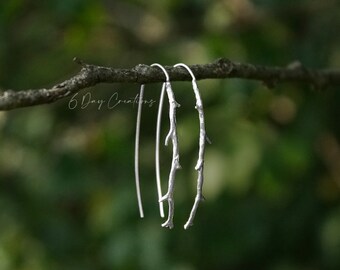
90	75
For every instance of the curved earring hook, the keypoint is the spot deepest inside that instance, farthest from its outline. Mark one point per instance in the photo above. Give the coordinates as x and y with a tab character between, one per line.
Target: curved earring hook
175	152
188	69
158	128
194	84
202	138
167	78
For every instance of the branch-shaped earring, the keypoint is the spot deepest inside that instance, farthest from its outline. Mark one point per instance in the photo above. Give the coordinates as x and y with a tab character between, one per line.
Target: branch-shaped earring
139	113
202	137
175	152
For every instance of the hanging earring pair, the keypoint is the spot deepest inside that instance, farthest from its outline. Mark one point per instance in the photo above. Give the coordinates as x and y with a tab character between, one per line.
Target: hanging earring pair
175	156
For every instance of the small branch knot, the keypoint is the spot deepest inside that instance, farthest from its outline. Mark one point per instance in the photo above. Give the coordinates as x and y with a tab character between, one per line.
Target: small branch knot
141	70
225	64
223	61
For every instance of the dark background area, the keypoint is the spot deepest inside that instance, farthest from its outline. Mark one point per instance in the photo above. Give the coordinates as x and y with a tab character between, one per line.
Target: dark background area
272	175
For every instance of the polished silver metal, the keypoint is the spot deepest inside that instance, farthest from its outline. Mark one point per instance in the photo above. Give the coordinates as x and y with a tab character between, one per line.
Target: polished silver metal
139	114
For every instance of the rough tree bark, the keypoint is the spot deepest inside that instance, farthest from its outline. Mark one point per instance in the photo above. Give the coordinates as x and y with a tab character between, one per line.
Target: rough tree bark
90	75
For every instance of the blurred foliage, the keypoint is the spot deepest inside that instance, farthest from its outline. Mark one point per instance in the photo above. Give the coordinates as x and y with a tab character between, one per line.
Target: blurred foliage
67	194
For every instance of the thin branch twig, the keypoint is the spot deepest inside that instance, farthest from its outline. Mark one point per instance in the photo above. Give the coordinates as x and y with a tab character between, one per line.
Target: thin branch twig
91	75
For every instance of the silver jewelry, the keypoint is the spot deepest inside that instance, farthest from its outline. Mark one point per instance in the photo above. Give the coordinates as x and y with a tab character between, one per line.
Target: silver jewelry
202	138
175	152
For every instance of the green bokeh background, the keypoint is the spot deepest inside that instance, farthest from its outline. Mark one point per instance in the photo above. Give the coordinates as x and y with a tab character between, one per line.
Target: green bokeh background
272	177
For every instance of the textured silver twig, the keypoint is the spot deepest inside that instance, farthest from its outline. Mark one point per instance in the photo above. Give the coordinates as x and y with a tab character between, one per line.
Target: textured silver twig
202	138
175	155
175	151
139	113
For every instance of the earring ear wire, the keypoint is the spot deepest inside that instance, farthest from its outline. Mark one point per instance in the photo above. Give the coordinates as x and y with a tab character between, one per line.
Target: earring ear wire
202	138
158	174
175	152
139	114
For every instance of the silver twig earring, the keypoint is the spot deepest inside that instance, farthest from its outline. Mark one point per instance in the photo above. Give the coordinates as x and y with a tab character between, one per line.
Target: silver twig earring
175	152
139	113
202	137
